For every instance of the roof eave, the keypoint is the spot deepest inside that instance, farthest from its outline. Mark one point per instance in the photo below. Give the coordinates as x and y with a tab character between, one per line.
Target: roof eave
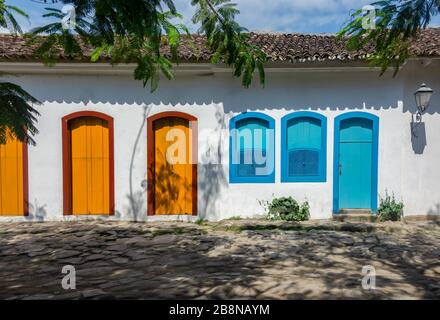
81	68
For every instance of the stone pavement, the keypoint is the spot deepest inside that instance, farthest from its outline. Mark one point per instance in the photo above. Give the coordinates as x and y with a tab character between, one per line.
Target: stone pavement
242	259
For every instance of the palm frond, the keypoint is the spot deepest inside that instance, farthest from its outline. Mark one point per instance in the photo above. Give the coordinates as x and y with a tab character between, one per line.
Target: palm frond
7	17
17	114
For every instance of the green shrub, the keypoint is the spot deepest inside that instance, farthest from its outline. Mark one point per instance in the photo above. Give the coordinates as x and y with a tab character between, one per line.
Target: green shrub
390	209
287	209
200	221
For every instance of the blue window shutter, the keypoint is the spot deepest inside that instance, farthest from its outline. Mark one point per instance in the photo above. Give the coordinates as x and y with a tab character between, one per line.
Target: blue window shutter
303	162
303	147
250	148
252	144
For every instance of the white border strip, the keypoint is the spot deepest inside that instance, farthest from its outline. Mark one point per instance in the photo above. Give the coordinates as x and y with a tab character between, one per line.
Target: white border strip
127	69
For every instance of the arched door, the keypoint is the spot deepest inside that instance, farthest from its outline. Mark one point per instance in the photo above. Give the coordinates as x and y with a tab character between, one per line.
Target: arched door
356	145
172	164
13	178
88	164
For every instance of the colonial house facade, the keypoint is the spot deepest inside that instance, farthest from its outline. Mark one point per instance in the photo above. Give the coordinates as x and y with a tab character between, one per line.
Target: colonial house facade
326	128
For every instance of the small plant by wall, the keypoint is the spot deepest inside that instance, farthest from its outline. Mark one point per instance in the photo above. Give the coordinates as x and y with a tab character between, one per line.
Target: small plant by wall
390	209
200	221
286	208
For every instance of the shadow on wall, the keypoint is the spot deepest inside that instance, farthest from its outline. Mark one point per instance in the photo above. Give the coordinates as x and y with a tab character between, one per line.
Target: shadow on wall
435	211
418	136
36	212
214	177
168	185
295	91
417	73
317	91
136	210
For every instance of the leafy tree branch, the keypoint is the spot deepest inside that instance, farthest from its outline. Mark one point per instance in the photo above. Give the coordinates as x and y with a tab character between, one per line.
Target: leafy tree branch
136	30
228	41
397	23
17	115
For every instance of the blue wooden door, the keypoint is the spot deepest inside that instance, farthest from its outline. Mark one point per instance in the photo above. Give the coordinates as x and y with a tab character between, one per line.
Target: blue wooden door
355	163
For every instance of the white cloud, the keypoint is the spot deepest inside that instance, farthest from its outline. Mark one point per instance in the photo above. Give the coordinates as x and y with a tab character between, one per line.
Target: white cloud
289	15
305	16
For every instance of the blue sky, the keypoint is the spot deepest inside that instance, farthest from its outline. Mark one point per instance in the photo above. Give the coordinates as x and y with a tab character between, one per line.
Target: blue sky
304	16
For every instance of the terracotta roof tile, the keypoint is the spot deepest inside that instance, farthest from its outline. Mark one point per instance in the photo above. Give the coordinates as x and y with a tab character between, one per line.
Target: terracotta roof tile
278	47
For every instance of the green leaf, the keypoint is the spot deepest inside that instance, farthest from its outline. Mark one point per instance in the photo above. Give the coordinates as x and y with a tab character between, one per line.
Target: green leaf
96	54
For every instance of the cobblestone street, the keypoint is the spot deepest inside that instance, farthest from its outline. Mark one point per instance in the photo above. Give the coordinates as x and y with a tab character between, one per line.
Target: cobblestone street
245	259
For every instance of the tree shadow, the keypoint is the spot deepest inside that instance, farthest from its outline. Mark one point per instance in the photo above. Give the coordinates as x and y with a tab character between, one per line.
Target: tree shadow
37	212
434	213
321	91
172	173
170	186
135	211
284	91
212	169
186	261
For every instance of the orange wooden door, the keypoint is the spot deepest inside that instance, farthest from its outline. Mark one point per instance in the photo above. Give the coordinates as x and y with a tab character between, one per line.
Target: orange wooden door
90	166
173	176
11	179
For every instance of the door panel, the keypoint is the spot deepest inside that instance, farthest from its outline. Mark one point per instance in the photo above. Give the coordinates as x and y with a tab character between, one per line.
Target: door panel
173	180
90	166
355	175
11	179
355	164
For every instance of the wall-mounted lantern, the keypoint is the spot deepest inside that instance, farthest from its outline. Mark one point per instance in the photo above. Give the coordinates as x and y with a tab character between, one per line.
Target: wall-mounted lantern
423	97
418	134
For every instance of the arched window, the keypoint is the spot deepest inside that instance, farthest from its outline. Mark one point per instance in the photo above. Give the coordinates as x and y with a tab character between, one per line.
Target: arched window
303	147
252	148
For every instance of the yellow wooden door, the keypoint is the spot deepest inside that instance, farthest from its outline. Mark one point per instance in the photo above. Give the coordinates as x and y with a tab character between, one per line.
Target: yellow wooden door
11	178
173	172
90	166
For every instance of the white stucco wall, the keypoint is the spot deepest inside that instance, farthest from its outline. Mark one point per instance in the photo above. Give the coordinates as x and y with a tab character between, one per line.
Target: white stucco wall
214	99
